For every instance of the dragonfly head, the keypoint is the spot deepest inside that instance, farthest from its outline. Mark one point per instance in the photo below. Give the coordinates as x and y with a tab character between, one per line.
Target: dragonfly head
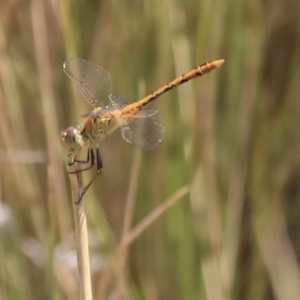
72	138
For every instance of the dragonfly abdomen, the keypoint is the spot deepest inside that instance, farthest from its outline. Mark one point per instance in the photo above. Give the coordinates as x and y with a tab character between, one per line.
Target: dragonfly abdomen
200	70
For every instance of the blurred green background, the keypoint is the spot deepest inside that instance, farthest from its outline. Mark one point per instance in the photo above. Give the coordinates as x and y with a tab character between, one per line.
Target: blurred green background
232	137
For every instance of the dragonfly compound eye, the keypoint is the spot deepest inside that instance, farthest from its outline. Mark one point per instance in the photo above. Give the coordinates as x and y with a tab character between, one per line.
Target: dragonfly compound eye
71	138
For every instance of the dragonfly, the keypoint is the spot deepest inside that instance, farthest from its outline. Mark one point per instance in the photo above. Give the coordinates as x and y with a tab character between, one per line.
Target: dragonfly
140	126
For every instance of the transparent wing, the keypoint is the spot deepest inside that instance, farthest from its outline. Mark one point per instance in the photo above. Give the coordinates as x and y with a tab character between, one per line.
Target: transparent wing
116	102
143	130
95	83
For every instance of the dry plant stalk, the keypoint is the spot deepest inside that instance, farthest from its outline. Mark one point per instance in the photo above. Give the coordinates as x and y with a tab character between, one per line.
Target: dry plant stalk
128	217
81	232
133	235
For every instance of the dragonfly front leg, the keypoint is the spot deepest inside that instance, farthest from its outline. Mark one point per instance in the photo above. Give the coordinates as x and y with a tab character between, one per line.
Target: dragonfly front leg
99	169
90	161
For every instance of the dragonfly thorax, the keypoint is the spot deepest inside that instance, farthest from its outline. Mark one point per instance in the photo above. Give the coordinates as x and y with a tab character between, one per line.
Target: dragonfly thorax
96	128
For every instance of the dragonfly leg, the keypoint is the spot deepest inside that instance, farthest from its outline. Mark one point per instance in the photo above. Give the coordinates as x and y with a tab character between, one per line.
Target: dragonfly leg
99	169
90	160
99	161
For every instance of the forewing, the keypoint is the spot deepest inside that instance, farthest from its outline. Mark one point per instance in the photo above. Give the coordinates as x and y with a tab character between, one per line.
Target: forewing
95	83
143	130
117	101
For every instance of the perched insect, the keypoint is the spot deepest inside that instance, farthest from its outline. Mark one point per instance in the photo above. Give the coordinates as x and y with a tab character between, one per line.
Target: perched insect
139	126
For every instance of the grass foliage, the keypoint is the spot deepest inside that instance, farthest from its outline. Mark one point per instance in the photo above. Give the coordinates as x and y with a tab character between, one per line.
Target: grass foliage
232	137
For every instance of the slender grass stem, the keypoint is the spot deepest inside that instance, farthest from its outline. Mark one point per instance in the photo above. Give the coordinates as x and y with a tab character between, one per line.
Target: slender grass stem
128	216
134	234
83	257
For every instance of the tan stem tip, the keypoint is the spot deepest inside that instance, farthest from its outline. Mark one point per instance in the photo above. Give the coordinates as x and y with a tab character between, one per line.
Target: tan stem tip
218	63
